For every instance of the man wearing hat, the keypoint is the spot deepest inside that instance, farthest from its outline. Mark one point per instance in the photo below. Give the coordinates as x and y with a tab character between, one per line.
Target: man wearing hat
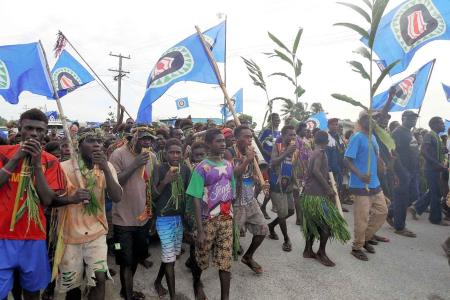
134	163
406	169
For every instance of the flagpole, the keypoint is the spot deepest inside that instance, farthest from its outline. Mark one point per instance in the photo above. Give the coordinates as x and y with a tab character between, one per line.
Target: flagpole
98	79
73	155
426	86
227	97
225	70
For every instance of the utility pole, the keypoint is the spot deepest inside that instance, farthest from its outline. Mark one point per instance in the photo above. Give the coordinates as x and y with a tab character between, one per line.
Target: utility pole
118	78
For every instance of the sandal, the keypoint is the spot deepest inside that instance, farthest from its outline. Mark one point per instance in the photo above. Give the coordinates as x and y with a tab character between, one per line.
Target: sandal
359	255
405	232
287	246
381	239
252	265
369	248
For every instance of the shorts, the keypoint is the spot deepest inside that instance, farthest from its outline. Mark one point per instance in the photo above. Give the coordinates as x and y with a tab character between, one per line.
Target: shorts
29	258
80	259
250	217
218	239
170	231
130	244
283	202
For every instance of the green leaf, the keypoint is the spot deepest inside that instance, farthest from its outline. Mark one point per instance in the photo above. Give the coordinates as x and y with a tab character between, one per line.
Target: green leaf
363	52
299	91
298	68
377	13
287	100
283	75
384	73
384	137
349	100
297	40
284	57
358	9
278	42
359	68
369	4
354	27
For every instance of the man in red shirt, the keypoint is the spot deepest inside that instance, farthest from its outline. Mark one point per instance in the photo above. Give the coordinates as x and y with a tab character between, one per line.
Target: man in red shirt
22	242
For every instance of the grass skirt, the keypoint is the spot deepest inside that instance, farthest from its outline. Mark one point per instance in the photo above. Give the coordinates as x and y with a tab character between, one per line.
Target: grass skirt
320	214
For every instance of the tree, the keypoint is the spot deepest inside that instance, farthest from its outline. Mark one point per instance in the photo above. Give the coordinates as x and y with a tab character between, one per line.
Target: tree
3	121
372	15
111	116
297	110
244	117
316	108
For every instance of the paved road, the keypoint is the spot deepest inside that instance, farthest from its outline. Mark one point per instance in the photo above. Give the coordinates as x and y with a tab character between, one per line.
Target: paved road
405	268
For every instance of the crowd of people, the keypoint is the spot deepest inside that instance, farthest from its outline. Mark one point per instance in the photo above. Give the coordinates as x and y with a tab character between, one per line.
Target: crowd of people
68	201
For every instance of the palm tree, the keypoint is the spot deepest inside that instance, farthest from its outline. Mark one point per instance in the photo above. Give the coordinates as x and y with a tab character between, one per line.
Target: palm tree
297	110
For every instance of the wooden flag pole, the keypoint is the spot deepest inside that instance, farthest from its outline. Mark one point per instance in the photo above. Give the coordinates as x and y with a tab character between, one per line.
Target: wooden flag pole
227	98
73	154
336	196
97	78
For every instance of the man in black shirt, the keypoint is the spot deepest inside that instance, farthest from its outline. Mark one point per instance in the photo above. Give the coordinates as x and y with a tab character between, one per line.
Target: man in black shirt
433	152
406	168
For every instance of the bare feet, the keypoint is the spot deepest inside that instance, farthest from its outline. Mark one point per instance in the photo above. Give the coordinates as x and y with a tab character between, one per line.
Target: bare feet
324	260
253	265
160	290
198	291
309	254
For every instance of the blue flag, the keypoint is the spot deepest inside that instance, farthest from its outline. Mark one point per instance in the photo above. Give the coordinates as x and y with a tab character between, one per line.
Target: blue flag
4	134
410	92
446	91
408	27
186	61
52	115
238	102
447	126
22	68
318	120
381	64
68	74
182	103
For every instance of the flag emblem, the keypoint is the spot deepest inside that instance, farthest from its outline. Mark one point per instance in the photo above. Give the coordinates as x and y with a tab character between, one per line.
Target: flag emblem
404	91
174	63
417	22
182	103
312	123
66	79
4	76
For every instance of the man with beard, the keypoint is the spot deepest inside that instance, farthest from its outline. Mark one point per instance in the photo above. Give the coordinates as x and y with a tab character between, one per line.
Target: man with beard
134	163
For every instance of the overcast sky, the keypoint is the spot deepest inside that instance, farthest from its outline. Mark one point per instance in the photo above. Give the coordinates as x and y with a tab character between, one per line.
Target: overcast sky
145	29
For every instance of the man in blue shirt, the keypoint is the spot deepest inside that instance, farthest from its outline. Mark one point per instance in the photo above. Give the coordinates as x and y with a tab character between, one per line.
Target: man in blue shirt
370	209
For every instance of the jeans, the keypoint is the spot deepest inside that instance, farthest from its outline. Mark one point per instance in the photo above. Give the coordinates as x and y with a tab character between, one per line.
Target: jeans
404	194
432	197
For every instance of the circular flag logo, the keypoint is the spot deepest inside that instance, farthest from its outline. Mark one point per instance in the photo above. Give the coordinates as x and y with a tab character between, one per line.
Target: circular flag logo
181	103
416	22
4	76
404	91
174	63
66	79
